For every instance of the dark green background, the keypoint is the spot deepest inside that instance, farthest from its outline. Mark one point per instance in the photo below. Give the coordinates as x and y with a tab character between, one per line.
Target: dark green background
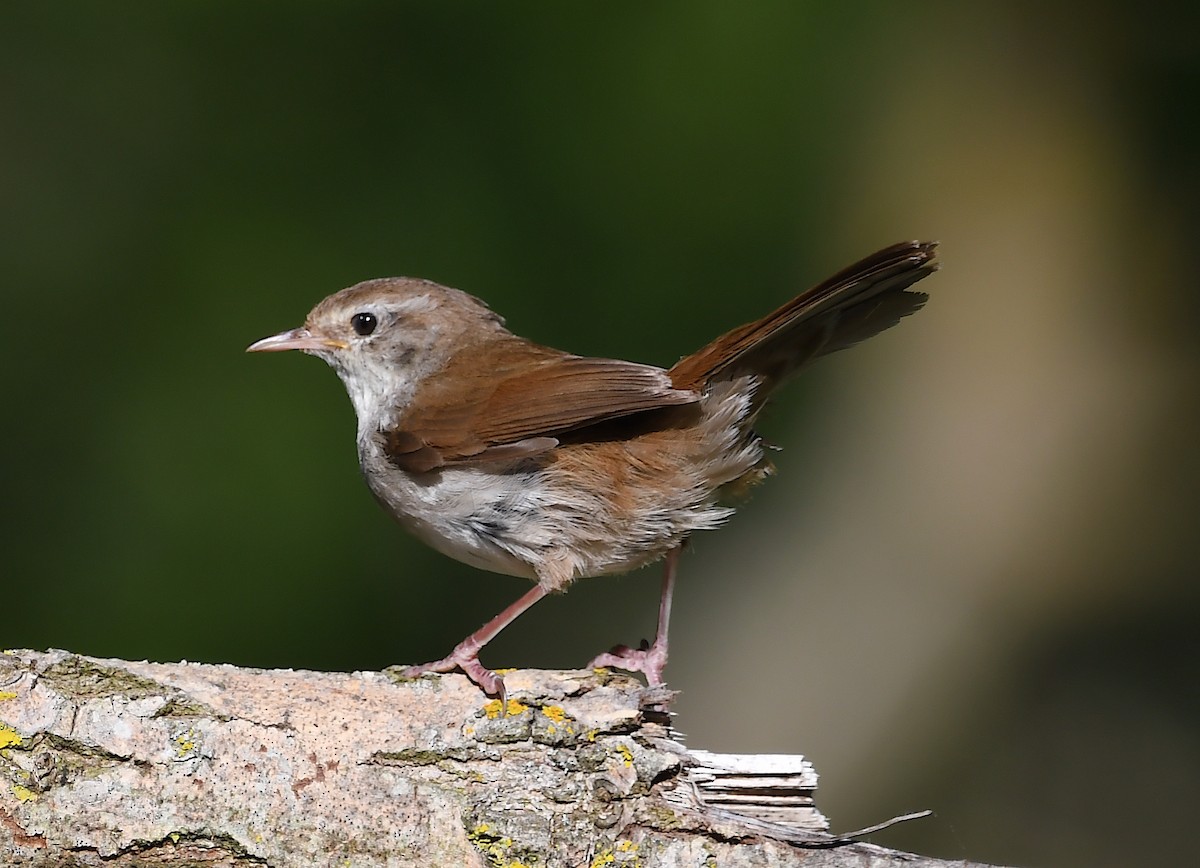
623	179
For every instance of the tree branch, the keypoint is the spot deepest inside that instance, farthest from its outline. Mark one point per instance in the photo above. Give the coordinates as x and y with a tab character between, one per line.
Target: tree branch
107	762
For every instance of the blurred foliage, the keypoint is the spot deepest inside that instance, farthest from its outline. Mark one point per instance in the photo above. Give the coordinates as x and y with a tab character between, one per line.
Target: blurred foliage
624	179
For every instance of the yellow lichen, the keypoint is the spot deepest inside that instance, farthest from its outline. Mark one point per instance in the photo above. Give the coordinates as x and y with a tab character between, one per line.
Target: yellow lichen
7	694
495	849
24	794
185	743
494	709
8	736
624	751
555	713
609	855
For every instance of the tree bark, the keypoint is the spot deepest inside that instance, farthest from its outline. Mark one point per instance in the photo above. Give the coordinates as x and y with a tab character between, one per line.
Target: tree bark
115	763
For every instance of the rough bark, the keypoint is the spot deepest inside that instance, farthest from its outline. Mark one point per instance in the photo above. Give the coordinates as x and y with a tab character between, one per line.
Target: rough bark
107	762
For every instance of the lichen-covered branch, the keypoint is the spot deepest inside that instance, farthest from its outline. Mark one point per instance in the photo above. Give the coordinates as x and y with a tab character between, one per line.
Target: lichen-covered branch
107	762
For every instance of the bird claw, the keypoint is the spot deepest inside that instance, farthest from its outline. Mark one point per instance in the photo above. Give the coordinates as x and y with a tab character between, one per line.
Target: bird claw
466	659
646	658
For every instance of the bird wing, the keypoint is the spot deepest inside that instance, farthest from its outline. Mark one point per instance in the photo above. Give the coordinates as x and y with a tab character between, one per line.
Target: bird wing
515	400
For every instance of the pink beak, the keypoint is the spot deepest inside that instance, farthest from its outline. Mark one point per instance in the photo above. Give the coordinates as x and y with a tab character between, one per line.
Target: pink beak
296	339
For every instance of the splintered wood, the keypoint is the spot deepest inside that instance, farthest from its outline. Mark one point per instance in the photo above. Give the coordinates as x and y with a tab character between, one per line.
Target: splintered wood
775	788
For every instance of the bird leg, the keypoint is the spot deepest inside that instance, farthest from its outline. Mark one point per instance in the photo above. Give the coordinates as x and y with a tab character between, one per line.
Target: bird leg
465	655
648	658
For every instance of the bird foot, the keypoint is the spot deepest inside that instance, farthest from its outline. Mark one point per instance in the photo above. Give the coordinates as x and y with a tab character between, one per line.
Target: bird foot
646	658
466	658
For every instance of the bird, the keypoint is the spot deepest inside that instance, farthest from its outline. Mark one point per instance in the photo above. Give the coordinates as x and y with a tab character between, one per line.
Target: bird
529	461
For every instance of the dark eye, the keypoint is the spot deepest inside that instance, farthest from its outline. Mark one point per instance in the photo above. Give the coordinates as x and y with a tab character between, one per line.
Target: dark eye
363	323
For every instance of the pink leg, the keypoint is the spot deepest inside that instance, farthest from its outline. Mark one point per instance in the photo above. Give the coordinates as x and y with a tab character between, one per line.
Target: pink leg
465	655
651	659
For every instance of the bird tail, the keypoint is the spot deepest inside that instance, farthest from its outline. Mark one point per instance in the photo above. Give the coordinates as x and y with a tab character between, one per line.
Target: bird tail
856	303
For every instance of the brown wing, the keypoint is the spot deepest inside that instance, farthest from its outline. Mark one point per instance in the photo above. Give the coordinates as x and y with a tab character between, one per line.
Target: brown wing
512	399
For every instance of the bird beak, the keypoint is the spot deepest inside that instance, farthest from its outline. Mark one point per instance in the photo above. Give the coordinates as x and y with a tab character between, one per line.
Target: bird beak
296	339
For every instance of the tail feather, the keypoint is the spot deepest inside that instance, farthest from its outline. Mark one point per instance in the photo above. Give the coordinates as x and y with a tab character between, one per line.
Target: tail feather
854	304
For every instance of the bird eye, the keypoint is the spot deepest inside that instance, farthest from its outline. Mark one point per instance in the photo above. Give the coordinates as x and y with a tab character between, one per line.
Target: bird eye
363	323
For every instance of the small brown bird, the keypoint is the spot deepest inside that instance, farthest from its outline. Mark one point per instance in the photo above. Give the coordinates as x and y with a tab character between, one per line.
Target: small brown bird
528	461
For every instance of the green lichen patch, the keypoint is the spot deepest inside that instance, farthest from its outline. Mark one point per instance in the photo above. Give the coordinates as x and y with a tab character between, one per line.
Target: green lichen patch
188	848
79	749
591	757
661	817
56	760
395	674
181	706
11	663
414	756
77	677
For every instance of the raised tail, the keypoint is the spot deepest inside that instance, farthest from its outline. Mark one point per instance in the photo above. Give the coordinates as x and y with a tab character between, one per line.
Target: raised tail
854	304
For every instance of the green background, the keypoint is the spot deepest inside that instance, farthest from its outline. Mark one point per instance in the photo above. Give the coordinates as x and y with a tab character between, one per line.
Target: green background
1005	628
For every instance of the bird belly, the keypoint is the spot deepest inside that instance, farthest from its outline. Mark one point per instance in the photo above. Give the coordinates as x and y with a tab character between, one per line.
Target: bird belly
583	509
520	523
464	513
